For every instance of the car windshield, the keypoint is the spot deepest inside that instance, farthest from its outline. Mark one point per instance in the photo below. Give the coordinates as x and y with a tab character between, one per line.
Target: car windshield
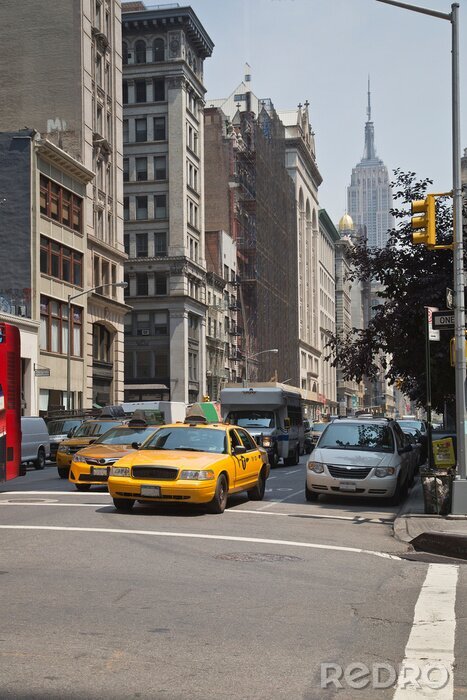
318	427
95	428
189	439
412	424
358	436
61	427
125	436
252	419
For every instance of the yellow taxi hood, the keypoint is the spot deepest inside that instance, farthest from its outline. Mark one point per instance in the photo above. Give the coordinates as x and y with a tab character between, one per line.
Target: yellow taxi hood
115	451
171	458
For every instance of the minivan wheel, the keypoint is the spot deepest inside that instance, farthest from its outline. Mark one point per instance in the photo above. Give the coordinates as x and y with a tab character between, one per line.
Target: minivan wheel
310	495
400	494
39	463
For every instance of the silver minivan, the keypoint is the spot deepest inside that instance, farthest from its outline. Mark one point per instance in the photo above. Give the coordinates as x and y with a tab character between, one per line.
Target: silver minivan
35	442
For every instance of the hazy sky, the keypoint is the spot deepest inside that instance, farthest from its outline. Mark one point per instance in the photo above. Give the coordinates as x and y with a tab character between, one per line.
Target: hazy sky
323	51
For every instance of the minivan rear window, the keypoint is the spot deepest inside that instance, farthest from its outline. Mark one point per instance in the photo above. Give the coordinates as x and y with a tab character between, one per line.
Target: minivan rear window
370	437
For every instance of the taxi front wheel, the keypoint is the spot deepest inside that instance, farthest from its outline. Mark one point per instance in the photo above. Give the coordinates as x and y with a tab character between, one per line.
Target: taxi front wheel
257	493
124	505
218	503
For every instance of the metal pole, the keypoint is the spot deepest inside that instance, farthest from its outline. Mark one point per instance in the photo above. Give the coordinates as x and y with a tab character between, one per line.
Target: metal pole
428	382
68	357
459	310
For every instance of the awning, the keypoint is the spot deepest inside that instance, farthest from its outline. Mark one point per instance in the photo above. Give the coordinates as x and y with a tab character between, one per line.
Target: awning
142	387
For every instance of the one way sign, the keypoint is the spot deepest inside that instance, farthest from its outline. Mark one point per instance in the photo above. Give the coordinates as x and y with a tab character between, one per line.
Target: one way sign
443	320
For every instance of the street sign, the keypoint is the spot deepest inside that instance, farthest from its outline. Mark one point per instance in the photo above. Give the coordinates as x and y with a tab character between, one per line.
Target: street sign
443	320
432	333
44	372
449	298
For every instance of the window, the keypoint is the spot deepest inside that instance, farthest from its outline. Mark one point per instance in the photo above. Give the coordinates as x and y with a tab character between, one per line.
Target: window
126	170
160	206
126	243
159	129
158	50
160	243
159	89
126	132
160	284
142	207
141	245
143	364
140	52
160	167
192	366
60	204
125	92
142	323
161	326
140	90
55	327
141	130
125	53
61	262
141	284
101	343
141	168
126	208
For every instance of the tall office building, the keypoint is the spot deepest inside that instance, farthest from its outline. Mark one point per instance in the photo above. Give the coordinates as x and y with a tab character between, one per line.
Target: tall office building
61	78
163	133
369	196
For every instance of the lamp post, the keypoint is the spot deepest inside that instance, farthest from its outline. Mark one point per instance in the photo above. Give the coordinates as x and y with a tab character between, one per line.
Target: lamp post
250	357
71	297
459	504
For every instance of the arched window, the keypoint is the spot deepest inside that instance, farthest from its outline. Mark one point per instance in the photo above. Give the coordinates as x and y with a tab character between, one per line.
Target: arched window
140	52
158	50
125	53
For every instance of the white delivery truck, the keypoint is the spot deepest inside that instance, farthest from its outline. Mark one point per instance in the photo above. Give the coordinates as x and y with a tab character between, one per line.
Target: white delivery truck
272	413
172	411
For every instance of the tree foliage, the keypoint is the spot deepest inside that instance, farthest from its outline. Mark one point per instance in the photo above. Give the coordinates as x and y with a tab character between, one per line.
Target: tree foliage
411	278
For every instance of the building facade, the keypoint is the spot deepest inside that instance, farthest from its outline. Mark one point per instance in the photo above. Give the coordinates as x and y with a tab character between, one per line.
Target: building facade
165	336
75	231
328	237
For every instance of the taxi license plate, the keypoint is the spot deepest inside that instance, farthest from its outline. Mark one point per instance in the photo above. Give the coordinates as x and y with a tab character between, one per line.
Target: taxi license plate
150	491
99	471
345	486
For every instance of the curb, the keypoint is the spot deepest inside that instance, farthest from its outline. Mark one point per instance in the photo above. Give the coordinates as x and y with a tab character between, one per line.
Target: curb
448	544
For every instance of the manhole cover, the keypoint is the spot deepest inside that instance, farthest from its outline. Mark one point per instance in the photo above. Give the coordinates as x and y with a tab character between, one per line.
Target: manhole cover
252	556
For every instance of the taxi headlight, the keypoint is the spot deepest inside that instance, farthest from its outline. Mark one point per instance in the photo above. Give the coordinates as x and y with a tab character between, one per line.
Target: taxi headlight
267	442
120	471
197	475
64	450
316	467
384	471
77	458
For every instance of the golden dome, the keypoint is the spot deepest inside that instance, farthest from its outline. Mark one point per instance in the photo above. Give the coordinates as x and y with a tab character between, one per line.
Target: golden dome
346	223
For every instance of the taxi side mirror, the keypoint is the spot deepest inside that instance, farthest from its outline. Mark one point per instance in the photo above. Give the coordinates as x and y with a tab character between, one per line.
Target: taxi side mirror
135	445
239	450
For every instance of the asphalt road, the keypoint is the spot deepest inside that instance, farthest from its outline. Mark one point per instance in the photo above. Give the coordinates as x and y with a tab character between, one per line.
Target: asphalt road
170	602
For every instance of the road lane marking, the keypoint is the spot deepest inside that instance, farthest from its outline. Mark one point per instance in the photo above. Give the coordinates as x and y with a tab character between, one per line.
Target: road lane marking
432	637
200	536
54	493
280	500
294	471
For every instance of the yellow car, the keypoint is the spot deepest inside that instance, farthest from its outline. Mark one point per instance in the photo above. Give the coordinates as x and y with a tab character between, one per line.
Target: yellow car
92	465
190	462
87	433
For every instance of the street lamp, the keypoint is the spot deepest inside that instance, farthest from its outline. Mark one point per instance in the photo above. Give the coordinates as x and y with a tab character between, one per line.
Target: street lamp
459	494
71	297
250	357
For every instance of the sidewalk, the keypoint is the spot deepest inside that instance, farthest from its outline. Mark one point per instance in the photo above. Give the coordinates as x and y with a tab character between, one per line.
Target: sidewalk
436	534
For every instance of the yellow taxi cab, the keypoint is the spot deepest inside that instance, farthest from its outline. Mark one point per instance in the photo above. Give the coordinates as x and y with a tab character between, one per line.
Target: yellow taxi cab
86	434
92	465
191	462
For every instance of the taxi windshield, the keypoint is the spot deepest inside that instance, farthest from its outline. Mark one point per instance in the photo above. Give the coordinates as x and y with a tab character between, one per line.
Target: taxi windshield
125	436
94	428
188	439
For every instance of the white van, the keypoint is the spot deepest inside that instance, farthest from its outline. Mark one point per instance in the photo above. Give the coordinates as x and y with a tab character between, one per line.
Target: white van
172	411
35	442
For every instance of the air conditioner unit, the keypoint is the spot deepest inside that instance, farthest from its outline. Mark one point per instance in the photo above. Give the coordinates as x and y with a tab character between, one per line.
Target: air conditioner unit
21	310
145	332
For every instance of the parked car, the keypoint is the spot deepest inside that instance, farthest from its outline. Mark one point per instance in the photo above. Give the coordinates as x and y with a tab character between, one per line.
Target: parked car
416	440
422	427
35	441
316	430
190	463
60	430
362	457
308	444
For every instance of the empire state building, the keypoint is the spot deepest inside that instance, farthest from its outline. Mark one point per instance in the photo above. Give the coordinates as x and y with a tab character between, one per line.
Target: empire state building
369	195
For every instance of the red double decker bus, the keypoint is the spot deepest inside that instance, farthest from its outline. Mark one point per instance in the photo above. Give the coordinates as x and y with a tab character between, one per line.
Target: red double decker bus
10	403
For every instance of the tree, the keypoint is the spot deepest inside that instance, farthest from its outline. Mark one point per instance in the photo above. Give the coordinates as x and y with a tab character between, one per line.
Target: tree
411	277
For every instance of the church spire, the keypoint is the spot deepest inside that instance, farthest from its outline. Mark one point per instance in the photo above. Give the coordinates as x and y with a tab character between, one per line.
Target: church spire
369	152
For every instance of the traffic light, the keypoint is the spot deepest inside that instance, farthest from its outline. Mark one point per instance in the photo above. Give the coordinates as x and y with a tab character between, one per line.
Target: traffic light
424	219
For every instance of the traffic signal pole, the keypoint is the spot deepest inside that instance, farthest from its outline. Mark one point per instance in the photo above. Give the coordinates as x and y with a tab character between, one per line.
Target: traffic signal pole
459	501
